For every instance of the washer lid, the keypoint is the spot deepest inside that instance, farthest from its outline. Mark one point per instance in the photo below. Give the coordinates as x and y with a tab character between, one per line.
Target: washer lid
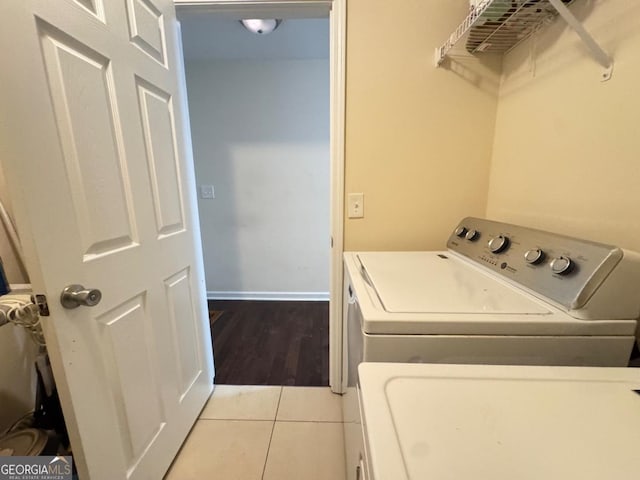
449	422
436	282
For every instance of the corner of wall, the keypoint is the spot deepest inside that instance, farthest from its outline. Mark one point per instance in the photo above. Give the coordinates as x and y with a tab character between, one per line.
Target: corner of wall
566	144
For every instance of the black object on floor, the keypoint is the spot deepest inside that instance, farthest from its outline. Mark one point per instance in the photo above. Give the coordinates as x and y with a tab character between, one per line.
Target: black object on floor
271	342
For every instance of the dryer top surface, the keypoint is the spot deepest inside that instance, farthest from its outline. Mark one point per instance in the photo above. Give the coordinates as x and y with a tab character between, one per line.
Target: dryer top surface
504	422
437	282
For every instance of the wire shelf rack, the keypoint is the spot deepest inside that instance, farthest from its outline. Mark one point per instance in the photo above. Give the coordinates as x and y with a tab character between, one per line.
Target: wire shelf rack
505	23
500	25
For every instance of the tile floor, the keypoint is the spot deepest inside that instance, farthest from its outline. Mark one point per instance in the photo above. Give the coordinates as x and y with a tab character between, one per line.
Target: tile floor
265	433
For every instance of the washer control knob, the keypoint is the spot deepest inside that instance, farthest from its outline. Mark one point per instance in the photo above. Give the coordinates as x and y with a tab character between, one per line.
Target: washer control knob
534	256
460	231
498	244
562	265
472	235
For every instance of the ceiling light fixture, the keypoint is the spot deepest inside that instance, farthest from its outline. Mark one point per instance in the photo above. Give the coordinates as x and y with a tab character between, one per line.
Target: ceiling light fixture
260	26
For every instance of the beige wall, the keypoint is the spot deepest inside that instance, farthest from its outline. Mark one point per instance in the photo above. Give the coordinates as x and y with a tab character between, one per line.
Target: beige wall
11	266
418	139
567	147
17	351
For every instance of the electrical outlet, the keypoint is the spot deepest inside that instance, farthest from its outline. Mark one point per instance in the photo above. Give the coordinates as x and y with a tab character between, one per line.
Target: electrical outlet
356	205
207	192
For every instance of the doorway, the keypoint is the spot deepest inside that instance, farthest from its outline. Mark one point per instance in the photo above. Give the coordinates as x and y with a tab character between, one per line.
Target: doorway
266	163
259	110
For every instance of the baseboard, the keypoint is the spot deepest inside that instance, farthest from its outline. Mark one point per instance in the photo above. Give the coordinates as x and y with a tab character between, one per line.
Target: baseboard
284	296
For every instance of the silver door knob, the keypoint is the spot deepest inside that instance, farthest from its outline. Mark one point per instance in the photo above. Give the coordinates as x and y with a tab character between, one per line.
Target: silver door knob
75	295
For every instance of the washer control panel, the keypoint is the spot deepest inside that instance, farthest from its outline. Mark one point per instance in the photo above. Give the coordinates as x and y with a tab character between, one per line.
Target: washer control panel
564	269
534	256
498	244
472	235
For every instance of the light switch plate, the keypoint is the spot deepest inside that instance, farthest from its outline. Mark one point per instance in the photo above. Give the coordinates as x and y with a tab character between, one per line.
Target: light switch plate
356	205
207	192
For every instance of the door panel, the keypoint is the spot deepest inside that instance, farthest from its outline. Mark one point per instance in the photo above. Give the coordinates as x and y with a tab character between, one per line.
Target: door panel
94	145
129	368
146	28
156	112
93	6
182	314
83	94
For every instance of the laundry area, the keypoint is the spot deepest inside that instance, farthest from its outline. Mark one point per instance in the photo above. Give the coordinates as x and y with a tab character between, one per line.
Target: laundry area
461	207
451	319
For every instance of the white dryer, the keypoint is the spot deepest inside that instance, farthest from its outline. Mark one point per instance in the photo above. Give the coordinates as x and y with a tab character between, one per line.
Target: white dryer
500	294
447	422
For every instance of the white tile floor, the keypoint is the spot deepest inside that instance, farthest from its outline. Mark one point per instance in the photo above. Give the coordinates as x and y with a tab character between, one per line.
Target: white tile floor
265	433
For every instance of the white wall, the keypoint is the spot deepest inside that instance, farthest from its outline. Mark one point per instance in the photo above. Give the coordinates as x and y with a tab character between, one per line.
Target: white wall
261	137
17	351
12	268
566	154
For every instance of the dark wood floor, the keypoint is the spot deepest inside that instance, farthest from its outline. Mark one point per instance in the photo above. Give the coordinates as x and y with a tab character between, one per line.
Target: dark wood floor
271	342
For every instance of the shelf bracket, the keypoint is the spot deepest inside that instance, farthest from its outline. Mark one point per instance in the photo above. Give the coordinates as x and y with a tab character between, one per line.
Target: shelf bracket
598	53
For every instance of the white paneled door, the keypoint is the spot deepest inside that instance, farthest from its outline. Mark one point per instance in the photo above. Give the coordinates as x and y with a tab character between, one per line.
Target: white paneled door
94	140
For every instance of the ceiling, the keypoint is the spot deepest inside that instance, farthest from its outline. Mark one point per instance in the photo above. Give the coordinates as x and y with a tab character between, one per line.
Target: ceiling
209	37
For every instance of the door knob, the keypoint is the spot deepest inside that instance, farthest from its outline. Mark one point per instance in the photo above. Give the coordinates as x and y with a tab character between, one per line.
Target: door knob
75	295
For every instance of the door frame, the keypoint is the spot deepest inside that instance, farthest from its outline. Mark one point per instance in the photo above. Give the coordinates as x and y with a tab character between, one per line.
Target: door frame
336	10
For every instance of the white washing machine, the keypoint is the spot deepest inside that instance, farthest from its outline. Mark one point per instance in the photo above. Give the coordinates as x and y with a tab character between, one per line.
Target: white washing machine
451	422
500	294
